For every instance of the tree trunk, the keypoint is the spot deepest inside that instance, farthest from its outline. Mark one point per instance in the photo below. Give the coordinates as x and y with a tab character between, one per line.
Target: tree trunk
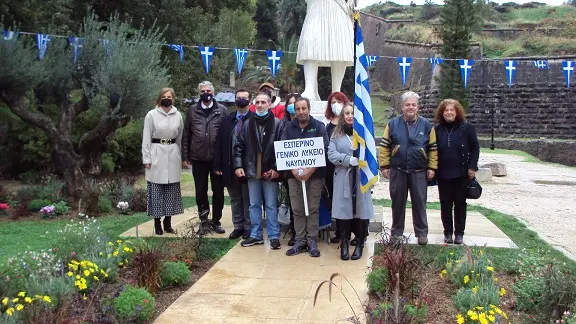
67	164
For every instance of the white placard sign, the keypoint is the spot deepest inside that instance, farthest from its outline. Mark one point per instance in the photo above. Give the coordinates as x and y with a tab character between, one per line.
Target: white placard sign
300	153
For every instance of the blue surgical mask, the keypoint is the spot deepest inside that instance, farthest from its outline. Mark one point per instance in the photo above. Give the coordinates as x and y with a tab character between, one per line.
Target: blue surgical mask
291	109
261	113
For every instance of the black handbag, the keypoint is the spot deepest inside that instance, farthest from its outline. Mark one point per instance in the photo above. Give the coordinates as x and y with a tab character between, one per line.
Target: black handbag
474	189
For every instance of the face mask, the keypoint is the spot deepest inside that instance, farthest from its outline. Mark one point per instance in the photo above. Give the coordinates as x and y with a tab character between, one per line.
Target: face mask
206	97
261	113
337	108
291	109
166	102
242	103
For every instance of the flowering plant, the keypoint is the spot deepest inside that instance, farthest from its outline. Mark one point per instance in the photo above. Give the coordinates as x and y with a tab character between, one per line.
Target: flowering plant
85	273
17	304
119	251
47	211
4	208
124	207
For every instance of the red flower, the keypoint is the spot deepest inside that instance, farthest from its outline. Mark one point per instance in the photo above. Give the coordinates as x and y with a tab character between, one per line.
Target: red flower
4	206
145	301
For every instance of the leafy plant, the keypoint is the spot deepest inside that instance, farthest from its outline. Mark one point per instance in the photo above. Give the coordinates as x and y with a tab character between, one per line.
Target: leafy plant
147	263
134	305
105	205
43	265
187	247
377	280
175	274
528	292
78	238
61	208
35	205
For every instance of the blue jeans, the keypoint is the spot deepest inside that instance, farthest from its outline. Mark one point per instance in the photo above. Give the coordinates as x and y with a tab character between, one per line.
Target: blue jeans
259	190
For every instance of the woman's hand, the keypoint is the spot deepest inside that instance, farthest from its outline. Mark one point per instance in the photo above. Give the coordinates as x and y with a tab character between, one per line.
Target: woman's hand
471	174
147	165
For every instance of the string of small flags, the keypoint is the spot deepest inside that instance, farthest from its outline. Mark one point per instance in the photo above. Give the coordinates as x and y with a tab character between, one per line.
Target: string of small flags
274	58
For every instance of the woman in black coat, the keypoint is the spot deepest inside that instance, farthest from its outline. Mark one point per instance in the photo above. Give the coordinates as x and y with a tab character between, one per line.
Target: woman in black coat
458	152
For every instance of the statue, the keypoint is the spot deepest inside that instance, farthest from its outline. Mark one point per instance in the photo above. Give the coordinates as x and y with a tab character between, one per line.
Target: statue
327	39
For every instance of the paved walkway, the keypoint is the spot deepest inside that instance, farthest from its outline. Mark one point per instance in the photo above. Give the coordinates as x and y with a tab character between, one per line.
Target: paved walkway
260	285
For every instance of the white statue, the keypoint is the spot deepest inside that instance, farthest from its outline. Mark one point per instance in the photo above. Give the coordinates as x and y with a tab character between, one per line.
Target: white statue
327	39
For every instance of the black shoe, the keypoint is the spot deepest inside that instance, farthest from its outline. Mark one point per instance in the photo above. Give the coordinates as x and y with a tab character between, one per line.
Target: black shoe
353	242
236	234
335	239
203	229
296	249
357	252
275	244
448	239
158	226
292	241
344	253
459	239
168	225
246	234
251	241
217	228
313	248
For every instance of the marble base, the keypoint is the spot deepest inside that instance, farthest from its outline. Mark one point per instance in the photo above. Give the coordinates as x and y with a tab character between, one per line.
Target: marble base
317	109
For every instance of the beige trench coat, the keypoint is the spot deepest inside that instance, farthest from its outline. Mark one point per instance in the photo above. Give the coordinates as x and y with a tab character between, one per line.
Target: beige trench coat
165	159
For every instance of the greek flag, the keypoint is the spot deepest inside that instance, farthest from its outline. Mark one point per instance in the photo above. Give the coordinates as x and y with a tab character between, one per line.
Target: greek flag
42	44
568	68
8	35
179	49
206	53
241	55
541	64
76	43
372	59
363	121
107	47
404	63
435	61
465	70
510	67
274	60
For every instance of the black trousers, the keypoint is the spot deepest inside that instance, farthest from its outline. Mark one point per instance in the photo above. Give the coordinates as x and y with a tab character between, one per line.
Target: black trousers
453	197
200	171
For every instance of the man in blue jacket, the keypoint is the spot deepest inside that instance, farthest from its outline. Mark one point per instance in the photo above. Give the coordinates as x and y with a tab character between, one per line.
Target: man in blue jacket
305	126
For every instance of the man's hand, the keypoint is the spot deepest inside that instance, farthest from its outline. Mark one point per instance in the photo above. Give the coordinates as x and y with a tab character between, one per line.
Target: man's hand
148	165
471	174
273	174
218	172
186	164
386	173
430	174
240	173
308	172
296	174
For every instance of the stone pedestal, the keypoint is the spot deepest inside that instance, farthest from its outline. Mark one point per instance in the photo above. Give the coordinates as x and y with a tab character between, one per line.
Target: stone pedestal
317	109
484	175
498	169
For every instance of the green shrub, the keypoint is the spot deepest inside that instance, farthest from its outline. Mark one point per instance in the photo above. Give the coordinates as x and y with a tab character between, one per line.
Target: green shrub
483	295
174	274
134	305
107	163
528	292
126	146
35	205
61	208
377	280
104	205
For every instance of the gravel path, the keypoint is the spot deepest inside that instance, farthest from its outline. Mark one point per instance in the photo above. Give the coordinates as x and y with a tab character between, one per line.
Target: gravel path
549	208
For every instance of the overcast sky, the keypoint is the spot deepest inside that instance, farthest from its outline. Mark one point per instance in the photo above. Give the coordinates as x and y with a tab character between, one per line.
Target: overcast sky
366	3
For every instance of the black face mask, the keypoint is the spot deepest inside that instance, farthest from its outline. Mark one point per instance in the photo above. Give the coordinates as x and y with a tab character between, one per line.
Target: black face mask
206	97
242	103
166	102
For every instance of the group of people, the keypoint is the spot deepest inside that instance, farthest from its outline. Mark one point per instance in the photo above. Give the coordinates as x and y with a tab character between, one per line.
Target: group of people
236	151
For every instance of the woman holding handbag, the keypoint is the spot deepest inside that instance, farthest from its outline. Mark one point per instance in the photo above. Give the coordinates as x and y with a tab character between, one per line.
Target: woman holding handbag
458	152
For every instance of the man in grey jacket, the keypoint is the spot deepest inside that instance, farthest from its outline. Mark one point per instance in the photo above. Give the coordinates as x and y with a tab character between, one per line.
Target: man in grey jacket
198	142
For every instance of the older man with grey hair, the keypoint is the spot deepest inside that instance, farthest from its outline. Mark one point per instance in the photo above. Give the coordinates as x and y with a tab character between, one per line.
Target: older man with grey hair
198	144
408	156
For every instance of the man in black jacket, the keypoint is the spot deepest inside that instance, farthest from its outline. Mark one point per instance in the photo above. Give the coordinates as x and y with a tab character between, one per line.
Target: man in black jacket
304	126
254	159
198	143
224	164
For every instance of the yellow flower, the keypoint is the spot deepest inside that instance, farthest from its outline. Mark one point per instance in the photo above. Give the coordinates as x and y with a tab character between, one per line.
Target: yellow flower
495	279
28	300
119	241
110	243
19	307
480	308
91	270
100	254
473	315
70	273
47	299
121	264
460	319
96	278
489	268
86	273
491	318
9	311
451	253
475	289
466	279
502	292
15	300
77	277
5	301
126	249
115	253
21	294
443	272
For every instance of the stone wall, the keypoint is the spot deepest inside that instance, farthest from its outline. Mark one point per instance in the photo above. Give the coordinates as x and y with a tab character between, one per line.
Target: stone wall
523	111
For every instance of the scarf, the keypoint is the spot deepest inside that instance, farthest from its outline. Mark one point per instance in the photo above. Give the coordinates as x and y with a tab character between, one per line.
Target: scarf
348	129
262	138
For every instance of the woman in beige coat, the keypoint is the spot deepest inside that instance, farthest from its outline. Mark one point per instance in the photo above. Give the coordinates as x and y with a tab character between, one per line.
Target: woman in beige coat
161	144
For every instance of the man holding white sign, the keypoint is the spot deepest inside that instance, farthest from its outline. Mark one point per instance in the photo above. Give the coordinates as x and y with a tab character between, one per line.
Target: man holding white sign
303	152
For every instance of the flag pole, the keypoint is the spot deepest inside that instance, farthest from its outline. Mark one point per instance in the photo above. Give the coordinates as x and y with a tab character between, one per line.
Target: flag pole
354	151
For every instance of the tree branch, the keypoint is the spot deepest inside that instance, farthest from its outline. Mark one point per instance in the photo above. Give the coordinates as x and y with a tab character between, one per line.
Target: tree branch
19	106
81	106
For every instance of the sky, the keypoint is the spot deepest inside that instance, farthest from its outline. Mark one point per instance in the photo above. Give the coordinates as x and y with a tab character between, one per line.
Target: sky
366	3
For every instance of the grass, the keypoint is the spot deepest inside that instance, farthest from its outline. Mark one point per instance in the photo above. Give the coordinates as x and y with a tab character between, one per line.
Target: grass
380	113
526	46
538	14
527	157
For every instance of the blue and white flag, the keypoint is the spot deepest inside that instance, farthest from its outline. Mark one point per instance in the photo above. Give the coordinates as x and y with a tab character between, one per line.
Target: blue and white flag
568	67
435	61
76	44
364	141
42	44
404	63
510	67
372	59
179	49
274	60
206	53
541	64
465	70
107	46
8	35
241	55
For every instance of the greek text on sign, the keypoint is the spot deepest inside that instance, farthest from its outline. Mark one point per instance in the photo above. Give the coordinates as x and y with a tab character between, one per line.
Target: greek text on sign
300	153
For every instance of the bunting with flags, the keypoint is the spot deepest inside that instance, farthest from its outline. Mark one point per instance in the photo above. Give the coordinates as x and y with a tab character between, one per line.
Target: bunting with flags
510	67
206	53
568	67
179	49
76	44
364	140
465	70
42	41
107	47
435	61
372	59
241	55
274	60
404	63
8	35
541	64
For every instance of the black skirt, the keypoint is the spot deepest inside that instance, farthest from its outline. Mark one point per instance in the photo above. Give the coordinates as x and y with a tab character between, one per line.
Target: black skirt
164	199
